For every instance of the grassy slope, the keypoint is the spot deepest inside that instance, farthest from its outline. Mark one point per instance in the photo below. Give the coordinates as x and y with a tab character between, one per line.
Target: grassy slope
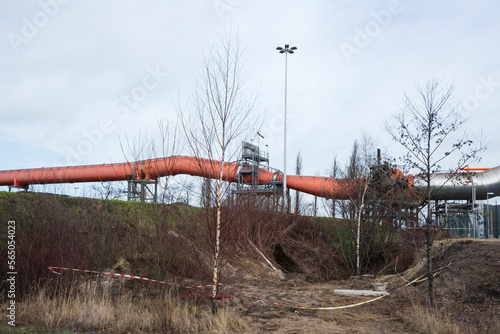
162	240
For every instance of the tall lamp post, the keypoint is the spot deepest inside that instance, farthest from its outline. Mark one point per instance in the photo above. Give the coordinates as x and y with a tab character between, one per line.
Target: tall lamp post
490	214
286	50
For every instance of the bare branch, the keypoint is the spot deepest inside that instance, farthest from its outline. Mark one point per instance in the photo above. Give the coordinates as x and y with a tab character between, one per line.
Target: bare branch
428	139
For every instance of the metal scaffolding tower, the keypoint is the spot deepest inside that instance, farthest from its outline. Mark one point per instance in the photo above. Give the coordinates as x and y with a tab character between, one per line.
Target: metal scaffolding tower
253	159
142	190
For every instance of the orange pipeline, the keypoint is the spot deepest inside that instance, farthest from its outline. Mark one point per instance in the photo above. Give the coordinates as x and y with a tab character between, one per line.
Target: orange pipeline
155	168
486	181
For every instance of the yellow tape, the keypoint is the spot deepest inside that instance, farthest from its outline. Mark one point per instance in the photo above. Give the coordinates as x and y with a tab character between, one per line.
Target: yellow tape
426	278
361	303
341	307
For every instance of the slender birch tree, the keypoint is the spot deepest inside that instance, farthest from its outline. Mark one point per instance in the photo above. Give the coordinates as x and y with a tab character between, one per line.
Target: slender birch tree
217	115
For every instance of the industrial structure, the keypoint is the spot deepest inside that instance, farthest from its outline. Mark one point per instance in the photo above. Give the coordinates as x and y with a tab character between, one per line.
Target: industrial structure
455	194
253	161
456	206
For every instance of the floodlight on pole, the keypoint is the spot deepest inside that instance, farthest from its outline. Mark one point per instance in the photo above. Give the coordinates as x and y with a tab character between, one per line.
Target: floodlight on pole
286	50
490	216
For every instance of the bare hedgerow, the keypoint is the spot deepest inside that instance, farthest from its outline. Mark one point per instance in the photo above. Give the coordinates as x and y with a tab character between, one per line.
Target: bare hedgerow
292	243
48	230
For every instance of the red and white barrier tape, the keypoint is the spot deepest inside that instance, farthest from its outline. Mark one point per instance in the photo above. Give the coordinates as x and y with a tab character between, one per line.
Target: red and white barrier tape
416	280
53	270
209	296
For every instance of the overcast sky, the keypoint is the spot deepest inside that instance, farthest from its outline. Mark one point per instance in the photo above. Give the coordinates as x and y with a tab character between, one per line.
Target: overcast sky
76	76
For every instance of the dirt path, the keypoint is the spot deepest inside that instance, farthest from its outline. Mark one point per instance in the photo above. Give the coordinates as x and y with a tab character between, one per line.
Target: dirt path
369	318
470	287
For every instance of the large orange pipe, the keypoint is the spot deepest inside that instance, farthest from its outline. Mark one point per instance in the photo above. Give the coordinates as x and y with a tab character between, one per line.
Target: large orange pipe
155	168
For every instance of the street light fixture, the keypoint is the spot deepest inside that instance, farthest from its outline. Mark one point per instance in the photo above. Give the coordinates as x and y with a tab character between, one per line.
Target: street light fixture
286	50
490	213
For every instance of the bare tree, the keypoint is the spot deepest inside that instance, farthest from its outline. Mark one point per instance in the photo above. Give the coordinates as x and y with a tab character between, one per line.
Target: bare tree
169	145
330	205
367	179
353	171
315	201
108	190
138	147
362	168
431	130
218	114
143	146
356	174
374	188
206	197
298	171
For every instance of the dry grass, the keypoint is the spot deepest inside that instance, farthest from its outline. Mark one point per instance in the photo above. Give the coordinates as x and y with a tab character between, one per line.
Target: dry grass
89	309
423	320
492	326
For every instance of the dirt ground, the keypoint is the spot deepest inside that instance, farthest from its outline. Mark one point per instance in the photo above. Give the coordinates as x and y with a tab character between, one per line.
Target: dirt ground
468	292
375	317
